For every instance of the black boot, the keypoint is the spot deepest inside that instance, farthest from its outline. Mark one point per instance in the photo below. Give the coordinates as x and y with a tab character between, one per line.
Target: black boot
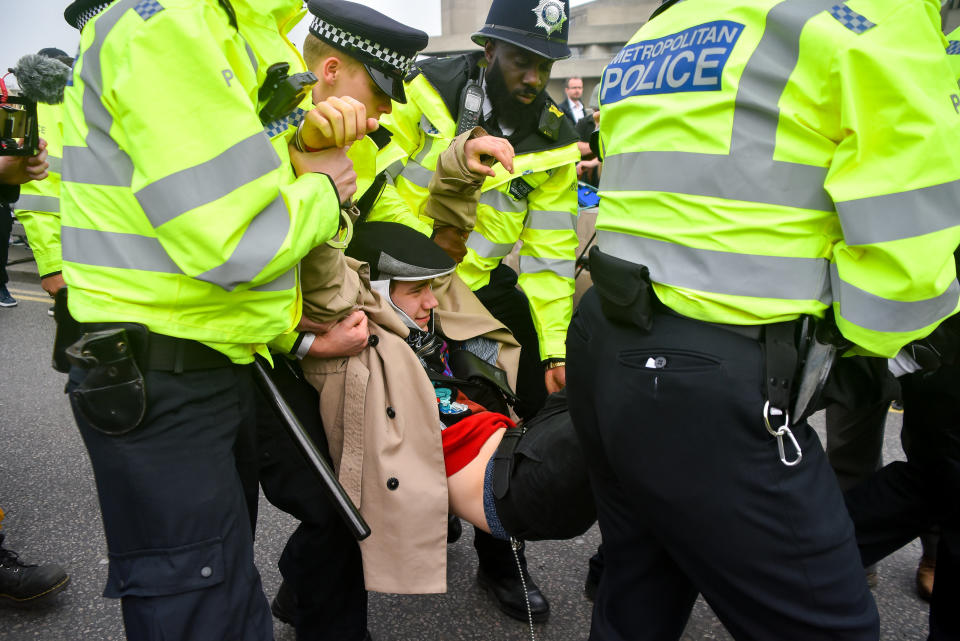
498	575
24	584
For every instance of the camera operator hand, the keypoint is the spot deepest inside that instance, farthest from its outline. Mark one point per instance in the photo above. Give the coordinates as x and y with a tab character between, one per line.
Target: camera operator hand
16	170
333	163
480	151
336	122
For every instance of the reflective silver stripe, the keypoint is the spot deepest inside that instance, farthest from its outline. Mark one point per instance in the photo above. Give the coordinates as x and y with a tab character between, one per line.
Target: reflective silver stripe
902	215
718	176
417	174
283	283
253	58
486	248
748	172
394	170
258	246
29	202
884	315
427	146
101	162
721	272
55	164
559	266
244	162
502	202
115	249
551	220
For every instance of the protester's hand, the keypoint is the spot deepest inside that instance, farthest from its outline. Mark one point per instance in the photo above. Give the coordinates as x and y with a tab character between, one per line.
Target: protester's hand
451	240
336	122
348	337
52	284
17	170
555	379
480	150
332	162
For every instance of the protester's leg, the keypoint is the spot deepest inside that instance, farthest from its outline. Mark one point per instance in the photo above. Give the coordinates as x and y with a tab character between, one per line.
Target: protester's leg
174	513
320	564
855	440
509	305
769	546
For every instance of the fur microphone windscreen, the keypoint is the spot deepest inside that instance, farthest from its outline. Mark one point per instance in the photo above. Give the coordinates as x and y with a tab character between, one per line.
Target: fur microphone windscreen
42	79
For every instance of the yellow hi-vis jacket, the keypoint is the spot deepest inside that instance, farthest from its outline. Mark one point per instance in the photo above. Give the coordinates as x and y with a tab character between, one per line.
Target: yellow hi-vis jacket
770	158
537	204
38	208
180	208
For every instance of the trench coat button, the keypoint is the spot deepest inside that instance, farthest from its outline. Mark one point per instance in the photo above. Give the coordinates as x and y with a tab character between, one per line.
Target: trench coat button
391	413
392	483
373	340
206	571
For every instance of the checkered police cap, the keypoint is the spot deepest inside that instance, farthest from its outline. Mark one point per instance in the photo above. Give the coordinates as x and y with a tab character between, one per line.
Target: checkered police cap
386	48
362	48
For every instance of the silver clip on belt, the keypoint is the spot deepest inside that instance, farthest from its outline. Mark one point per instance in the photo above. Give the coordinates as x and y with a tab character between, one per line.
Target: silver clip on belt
784	430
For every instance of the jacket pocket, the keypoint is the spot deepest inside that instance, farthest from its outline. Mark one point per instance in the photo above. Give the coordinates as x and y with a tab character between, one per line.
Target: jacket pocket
166	571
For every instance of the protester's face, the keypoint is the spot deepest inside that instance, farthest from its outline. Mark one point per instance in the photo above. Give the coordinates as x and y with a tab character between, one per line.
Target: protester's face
415	299
354	81
574	89
525	74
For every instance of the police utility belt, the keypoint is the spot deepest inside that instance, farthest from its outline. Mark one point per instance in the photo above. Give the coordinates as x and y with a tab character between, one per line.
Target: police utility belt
798	354
112	396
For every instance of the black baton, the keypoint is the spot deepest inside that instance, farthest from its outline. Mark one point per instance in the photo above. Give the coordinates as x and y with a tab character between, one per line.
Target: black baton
349	512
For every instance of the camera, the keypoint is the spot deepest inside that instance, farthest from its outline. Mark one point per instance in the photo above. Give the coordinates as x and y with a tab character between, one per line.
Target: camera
19	130
281	93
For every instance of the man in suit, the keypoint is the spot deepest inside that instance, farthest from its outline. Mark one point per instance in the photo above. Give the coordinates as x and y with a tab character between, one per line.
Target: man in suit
572	107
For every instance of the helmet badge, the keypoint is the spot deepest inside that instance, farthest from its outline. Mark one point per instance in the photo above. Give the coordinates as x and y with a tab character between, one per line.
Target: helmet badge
550	15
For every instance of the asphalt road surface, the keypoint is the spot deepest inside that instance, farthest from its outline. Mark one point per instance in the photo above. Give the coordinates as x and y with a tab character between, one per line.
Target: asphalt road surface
47	490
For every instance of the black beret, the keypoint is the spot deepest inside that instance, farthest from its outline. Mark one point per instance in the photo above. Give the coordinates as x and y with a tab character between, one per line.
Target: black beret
540	26
397	252
386	48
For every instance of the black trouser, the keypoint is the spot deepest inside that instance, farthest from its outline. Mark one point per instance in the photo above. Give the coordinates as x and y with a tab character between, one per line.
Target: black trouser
861	390
174	511
905	498
691	494
6	226
509	305
321	561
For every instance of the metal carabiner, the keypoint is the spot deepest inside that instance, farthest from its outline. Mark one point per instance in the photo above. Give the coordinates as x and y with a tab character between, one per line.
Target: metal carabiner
779	434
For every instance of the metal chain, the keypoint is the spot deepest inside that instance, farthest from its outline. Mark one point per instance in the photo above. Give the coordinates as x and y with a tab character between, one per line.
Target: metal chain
515	545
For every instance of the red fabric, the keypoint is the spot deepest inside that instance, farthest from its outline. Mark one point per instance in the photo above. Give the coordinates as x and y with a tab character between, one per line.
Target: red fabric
462	440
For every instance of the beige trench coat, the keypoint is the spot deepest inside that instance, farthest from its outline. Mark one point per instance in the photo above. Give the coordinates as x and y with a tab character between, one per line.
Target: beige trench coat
379	412
379	409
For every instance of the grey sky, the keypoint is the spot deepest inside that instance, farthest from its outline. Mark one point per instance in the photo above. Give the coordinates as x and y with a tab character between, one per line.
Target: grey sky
29	25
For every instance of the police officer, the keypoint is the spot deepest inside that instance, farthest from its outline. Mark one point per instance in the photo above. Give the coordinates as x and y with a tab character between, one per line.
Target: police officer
907	497
185	211
359	56
502	89
760	156
537	204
